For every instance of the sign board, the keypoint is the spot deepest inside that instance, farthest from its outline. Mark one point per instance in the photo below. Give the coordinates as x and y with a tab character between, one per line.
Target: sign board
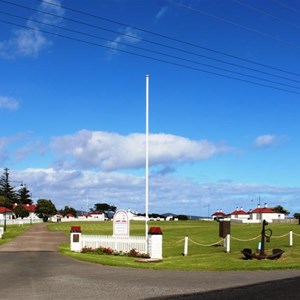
121	223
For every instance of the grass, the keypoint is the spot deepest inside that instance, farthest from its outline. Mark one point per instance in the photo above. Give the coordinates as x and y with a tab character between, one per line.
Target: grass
205	258
11	232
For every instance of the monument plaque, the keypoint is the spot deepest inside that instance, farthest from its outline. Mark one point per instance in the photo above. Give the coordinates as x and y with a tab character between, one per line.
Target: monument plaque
121	223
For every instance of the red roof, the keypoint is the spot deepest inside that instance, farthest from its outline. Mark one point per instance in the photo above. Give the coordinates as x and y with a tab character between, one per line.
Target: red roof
97	212
69	216
85	215
238	212
4	210
28	207
263	210
219	214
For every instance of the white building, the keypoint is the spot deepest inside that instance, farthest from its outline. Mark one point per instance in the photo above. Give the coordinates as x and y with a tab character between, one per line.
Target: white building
264	213
5	213
219	214
239	214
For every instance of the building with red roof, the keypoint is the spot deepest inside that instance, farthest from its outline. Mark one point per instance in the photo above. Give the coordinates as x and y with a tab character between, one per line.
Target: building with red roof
219	214
5	213
264	213
256	215
31	209
239	214
9	214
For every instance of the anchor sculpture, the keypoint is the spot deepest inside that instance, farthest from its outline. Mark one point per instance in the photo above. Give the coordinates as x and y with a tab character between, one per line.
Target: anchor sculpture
276	253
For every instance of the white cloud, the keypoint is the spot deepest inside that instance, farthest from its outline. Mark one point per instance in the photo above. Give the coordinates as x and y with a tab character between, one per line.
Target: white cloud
166	194
18	148
29	42
267	140
9	103
3	149
128	37
111	151
161	13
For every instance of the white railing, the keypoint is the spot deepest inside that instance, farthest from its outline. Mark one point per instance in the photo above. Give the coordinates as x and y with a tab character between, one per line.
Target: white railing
124	244
20	221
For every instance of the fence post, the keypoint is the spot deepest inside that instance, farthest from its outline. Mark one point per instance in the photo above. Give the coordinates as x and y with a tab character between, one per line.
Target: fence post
186	243
228	243
75	239
291	238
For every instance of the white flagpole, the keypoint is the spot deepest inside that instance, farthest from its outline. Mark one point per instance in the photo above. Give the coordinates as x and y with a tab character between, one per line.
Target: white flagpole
147	155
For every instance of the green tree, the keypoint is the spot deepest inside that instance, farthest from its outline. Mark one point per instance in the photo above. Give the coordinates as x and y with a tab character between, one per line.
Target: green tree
7	190
45	209
68	210
280	210
105	207
20	211
296	215
182	217
5	202
24	196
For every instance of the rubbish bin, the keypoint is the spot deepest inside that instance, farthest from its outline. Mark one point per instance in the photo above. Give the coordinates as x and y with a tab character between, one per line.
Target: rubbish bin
224	228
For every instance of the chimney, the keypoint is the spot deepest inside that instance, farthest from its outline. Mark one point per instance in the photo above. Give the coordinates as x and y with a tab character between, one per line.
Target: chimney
258	205
266	205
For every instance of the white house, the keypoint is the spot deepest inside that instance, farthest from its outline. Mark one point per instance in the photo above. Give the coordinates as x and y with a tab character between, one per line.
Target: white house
264	213
134	216
92	216
98	215
239	214
219	214
5	213
31	209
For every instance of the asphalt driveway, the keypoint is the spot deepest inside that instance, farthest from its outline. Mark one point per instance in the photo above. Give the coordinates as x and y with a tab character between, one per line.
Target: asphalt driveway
31	268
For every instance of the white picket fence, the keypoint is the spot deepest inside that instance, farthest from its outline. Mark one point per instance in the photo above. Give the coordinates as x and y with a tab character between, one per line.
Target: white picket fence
124	244
20	221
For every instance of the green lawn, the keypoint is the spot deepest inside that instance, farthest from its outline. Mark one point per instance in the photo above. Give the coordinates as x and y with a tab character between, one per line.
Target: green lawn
200	257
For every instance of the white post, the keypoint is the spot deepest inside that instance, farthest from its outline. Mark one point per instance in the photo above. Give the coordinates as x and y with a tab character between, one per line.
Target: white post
228	243
291	238
186	243
75	240
147	155
155	243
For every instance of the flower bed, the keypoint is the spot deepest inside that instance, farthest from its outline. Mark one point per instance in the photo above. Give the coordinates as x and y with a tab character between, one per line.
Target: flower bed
110	251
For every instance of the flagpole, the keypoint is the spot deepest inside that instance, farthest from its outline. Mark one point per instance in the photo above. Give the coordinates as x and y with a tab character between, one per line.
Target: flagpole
147	156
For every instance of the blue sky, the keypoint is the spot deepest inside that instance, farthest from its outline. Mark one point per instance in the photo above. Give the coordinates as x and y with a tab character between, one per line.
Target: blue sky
224	102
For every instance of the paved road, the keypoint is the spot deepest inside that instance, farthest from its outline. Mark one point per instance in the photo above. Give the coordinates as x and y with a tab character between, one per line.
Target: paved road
31	268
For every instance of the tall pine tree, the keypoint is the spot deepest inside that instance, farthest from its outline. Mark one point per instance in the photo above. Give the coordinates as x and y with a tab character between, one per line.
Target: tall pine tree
7	190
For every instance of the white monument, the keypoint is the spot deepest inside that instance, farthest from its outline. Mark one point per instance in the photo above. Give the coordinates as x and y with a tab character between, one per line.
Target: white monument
121	223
